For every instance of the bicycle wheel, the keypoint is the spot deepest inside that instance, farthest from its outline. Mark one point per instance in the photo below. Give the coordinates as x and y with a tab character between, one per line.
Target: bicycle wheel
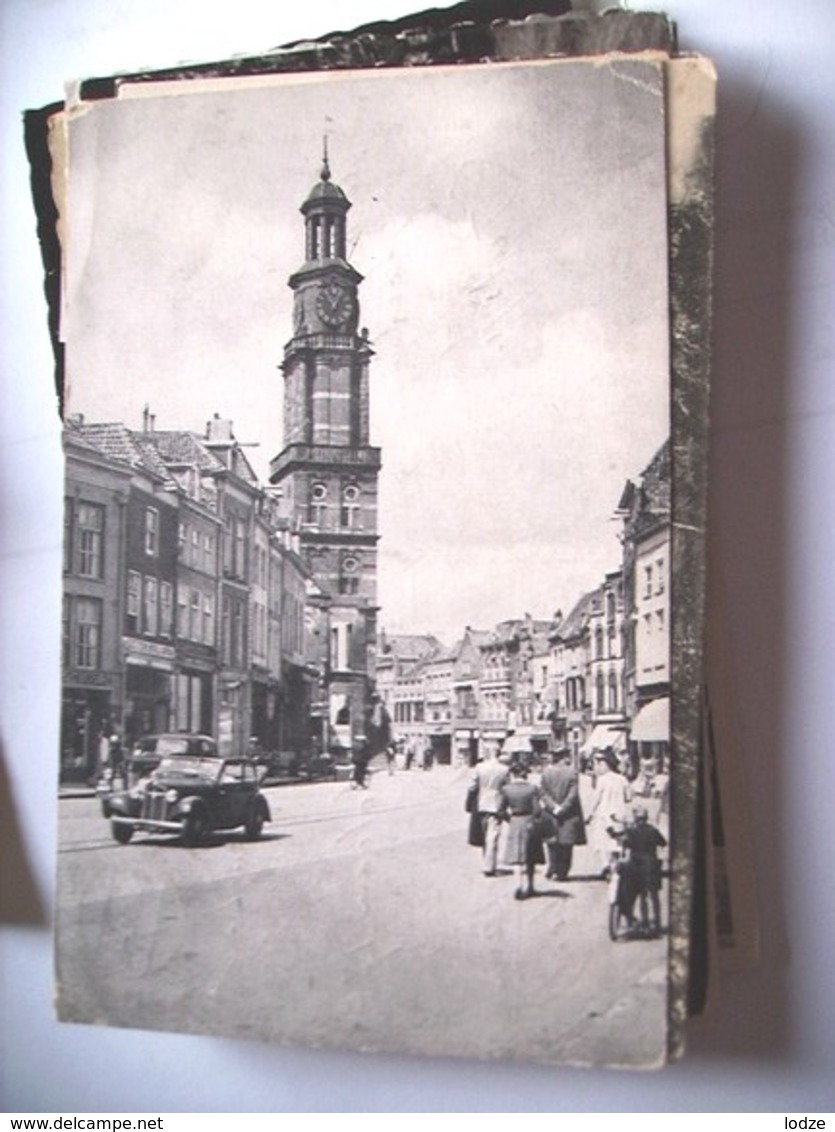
618	922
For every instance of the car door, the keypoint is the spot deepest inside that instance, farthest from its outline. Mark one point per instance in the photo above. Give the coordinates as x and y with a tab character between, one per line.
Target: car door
234	790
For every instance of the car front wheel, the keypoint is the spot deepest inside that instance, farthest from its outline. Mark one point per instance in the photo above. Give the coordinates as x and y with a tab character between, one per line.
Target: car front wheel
195	827
254	823
121	833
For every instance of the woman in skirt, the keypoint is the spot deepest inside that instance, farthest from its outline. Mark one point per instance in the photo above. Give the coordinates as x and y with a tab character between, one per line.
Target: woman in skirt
523	848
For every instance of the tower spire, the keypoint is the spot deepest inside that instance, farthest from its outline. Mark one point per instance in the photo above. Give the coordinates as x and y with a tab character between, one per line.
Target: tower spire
325	175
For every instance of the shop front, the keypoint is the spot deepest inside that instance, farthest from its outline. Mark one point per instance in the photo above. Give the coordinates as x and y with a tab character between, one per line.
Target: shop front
650	731
265	729
89	716
149	672
465	741
440	745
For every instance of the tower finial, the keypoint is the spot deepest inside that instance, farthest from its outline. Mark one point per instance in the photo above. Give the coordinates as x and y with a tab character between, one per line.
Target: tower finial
325	175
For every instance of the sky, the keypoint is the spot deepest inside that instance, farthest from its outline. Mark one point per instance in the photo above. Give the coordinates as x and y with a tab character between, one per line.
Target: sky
510	223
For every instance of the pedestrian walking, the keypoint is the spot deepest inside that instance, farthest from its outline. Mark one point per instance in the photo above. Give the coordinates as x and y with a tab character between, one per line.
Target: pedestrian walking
561	796
391	752
609	808
521	805
360	761
487	782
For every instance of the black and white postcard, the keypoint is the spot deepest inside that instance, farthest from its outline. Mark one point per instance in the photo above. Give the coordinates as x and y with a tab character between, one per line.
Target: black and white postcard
373	734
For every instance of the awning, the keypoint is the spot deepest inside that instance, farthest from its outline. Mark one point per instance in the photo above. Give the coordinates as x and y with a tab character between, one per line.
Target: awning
652	723
603	737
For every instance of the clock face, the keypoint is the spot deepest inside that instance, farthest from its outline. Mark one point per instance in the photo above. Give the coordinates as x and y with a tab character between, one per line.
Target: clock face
334	304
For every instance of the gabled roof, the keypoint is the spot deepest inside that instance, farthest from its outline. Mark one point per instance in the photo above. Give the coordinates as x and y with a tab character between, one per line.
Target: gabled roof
441	654
577	620
409	646
511	632
648	501
183	449
475	637
656	480
115	441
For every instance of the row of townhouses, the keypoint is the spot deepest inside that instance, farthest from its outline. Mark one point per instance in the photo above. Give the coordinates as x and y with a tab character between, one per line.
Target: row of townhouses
187	603
598	676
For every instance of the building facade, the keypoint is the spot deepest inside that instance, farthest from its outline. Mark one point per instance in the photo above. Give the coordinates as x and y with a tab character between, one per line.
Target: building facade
96	495
187	602
645	509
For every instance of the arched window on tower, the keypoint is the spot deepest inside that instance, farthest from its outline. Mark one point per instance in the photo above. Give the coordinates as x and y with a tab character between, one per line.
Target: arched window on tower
350	510
349	577
318	506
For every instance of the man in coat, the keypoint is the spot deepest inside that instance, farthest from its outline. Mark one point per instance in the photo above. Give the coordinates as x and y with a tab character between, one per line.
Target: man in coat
490	776
561	795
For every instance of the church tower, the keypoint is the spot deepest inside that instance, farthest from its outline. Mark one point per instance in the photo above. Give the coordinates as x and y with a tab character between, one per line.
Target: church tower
327	470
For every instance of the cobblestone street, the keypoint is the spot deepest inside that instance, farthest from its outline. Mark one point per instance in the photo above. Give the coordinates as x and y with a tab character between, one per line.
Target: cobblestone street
361	917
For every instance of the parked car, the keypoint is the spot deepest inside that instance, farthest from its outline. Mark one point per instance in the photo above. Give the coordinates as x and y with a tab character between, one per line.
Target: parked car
301	766
144	757
192	796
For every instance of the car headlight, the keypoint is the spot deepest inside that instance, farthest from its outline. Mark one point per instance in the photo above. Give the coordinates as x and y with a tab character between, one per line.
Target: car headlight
171	795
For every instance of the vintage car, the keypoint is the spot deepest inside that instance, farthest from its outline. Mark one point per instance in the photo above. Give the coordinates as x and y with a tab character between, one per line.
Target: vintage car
193	796
144	757
302	766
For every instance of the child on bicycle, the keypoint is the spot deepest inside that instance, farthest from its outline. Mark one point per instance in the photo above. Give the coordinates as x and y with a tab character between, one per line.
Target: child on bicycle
643	841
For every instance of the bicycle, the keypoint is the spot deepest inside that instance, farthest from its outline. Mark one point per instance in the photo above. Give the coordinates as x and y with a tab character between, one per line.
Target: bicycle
630	881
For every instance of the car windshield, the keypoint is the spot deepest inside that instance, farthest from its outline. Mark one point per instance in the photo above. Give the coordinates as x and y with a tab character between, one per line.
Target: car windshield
185	766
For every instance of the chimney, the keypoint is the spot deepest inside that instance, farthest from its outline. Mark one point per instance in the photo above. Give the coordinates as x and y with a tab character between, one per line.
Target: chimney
219	431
